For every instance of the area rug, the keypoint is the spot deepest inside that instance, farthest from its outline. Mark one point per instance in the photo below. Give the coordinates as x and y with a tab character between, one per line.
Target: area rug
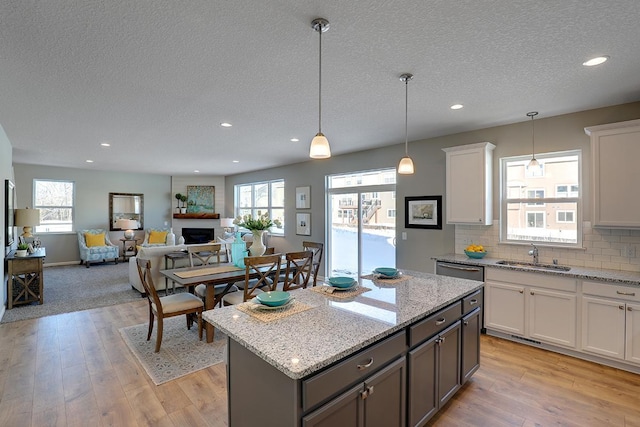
180	353
74	287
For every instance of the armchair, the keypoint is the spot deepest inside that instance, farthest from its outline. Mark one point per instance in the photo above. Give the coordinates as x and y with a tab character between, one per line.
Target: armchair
94	245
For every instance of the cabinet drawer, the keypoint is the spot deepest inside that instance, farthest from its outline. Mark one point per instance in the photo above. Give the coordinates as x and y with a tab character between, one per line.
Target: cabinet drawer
471	302
539	280
435	323
355	368
30	265
611	290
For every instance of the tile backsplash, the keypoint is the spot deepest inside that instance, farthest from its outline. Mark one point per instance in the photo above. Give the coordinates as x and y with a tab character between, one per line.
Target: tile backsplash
601	247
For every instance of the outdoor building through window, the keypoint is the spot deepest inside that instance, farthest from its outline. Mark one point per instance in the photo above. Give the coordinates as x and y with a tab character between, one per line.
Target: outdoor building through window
259	198
543	205
55	200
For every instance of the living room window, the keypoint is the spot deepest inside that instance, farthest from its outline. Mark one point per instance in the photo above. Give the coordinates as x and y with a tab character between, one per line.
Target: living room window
55	199
259	197
541	207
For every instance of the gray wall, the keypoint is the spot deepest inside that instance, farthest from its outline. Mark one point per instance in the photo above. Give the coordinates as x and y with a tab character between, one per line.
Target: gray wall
5	173
92	202
552	134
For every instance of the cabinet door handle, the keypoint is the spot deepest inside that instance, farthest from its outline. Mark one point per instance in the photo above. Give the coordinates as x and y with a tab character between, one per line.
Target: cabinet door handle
440	321
621	307
369	390
364	394
441	340
521	291
532	293
630	294
466	323
473	301
629	309
365	366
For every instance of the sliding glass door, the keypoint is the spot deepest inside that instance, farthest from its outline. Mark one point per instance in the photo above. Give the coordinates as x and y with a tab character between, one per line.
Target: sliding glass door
361	222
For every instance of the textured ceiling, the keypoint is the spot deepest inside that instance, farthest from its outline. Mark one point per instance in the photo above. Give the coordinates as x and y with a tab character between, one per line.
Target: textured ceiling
156	78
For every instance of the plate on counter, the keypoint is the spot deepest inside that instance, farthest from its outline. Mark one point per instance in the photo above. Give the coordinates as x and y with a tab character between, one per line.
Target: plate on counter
341	282
387	273
342	289
259	306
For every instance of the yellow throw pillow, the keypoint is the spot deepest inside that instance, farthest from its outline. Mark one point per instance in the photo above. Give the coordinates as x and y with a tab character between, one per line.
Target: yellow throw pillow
94	239
157	236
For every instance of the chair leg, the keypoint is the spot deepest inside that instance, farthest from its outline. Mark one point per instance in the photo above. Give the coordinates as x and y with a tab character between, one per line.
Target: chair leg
200	325
189	321
150	324
159	335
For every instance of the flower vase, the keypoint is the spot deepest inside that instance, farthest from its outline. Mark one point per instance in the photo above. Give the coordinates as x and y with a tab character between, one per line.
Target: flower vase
257	248
238	251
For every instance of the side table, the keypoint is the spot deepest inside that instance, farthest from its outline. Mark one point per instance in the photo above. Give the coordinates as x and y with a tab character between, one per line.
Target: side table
172	256
129	252
26	281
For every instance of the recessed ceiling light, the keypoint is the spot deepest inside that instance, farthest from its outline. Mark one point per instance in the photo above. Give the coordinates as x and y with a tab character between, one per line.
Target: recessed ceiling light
595	61
89	161
105	144
236	161
456	106
226	125
196	171
294	140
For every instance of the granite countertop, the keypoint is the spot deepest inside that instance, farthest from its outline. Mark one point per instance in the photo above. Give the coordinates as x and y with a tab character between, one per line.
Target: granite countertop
602	275
305	342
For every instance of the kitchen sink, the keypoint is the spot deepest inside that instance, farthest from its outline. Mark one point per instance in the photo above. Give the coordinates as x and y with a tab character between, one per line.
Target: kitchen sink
553	267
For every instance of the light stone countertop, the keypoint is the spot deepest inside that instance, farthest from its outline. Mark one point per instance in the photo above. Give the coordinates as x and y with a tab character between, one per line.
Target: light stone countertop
305	342
602	275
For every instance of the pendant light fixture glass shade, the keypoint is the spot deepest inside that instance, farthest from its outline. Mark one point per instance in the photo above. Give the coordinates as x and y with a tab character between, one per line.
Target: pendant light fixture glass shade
320	148
406	164
533	163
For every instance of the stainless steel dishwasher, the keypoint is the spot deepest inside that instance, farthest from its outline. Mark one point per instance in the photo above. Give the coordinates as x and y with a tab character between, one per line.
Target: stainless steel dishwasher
463	271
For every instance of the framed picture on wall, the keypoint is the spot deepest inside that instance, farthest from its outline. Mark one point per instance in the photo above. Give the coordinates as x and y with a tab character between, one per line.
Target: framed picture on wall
200	199
423	212
303	197
303	224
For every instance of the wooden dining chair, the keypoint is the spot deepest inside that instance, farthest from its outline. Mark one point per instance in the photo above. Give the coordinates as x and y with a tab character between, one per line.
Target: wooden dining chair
317	248
298	271
262	268
167	306
203	255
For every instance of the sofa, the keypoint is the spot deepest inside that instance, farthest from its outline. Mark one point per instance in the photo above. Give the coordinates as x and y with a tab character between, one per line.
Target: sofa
167	238
156	255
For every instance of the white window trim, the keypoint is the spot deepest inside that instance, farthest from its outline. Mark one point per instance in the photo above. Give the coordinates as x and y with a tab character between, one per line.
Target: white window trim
274	231
38	229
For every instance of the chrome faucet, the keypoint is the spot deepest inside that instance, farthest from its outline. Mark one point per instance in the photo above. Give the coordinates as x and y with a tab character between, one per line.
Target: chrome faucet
534	253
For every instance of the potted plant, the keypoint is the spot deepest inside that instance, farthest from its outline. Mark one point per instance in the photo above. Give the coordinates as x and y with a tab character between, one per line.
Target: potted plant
22	250
179	199
183	209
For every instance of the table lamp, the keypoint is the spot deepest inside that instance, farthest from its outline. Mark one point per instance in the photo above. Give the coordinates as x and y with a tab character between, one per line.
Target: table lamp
128	225
27	219
227	224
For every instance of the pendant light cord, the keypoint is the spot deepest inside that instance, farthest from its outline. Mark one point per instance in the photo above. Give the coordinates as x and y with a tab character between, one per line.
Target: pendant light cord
406	117
532	114
320	81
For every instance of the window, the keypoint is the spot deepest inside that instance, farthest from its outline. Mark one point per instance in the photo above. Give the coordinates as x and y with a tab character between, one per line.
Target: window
55	200
259	198
391	213
545	207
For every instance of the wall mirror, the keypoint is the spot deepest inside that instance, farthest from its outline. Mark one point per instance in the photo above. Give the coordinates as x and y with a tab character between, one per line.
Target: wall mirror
126	206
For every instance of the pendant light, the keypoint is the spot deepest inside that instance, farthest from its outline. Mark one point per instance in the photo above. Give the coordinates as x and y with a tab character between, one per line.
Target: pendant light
320	148
533	163
406	164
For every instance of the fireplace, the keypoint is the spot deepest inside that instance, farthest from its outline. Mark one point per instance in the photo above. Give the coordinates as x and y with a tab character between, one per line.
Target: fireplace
197	235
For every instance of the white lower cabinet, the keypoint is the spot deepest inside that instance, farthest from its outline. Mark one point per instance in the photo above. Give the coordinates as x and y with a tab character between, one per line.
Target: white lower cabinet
534	306
611	321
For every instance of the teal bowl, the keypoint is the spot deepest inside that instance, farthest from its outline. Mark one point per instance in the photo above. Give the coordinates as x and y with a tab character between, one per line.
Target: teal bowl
341	282
475	255
386	271
273	298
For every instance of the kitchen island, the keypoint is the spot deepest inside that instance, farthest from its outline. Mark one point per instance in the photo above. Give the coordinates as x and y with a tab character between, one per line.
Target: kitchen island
332	362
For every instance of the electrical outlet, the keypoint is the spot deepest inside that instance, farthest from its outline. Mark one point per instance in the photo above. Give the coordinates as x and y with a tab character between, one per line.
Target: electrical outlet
630	251
404	235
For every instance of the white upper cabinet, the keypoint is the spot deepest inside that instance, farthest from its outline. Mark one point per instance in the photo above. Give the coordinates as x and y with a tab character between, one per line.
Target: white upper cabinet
615	150
469	195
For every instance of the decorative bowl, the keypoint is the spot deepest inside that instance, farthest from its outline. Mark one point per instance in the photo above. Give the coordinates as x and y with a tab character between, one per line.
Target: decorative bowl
386	271
341	281
273	298
475	255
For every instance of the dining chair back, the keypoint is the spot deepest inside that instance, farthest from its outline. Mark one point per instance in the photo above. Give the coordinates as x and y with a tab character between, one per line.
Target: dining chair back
257	278
299	270
317	248
167	306
203	254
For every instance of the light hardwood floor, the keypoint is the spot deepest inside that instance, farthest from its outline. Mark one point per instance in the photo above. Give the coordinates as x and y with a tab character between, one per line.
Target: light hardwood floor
75	370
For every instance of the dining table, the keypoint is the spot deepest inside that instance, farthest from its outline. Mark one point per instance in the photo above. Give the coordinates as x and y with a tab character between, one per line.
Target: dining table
217	275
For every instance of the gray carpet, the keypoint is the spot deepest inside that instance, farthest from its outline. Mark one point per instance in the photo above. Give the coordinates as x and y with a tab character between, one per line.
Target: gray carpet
75	287
180	353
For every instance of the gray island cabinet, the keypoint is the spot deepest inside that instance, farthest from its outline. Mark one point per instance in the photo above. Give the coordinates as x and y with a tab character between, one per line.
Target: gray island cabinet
391	356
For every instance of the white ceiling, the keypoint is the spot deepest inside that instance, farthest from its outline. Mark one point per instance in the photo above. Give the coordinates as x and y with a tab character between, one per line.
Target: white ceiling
156	78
